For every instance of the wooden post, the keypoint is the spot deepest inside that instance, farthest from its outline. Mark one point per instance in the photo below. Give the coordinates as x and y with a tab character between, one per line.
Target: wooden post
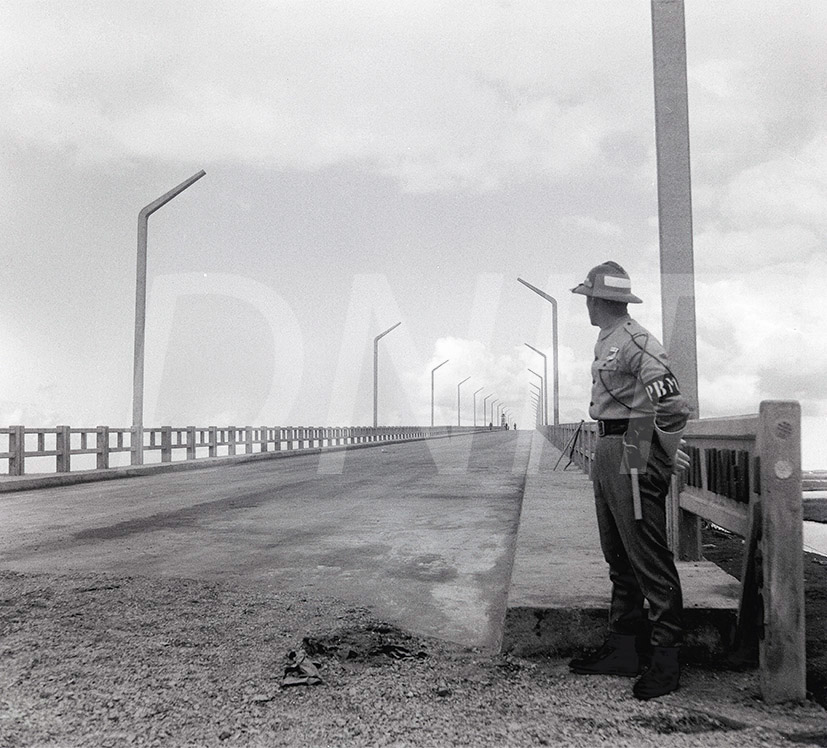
782	653
212	447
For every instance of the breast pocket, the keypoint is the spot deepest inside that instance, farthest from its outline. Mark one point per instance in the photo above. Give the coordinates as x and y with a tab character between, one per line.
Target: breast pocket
606	366
609	374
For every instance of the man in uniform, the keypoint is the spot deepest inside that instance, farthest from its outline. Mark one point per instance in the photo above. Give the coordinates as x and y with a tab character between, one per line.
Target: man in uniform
641	415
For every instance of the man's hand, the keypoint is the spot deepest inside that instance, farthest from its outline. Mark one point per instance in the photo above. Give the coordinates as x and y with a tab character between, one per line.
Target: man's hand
682	461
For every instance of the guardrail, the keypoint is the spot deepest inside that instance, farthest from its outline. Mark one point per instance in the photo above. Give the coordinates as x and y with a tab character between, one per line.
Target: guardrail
189	442
744	476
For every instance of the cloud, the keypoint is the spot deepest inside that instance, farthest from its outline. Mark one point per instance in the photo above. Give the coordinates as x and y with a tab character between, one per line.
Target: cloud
437	97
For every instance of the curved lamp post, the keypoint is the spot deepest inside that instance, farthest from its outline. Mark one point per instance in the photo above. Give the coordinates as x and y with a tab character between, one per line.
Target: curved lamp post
542	381
556	389
137	446
376	370
545	382
459	416
432	387
475	404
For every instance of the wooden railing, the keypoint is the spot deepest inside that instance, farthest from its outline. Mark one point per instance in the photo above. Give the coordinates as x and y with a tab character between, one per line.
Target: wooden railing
62	443
745	476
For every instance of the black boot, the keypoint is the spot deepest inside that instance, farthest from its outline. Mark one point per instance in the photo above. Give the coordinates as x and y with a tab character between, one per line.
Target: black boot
663	675
617	656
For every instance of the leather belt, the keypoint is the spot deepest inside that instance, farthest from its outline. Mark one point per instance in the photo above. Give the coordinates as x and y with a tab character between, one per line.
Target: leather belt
619	426
612	427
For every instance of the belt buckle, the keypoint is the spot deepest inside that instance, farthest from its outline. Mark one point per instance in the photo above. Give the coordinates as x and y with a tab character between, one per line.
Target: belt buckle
601	428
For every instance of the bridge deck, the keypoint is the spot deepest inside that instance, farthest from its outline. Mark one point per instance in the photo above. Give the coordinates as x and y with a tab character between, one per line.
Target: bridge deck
424	535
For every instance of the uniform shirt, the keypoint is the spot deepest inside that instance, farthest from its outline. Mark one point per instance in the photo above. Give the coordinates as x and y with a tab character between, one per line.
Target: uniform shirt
631	378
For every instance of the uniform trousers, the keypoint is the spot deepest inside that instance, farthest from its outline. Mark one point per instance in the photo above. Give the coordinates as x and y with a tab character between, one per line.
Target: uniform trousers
641	566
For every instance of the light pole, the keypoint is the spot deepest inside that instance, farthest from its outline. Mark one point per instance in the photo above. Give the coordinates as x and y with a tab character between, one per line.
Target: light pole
545	382
539	397
475	404
137	446
542	382
556	389
493	403
484	401
376	371
432	388
459	415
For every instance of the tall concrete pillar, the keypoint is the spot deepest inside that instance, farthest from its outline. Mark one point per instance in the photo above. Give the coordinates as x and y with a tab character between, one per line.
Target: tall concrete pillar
677	265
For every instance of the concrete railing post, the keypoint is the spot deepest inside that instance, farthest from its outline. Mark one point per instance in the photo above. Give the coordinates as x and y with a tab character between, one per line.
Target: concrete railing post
166	444
64	449
17	450
191	442
102	446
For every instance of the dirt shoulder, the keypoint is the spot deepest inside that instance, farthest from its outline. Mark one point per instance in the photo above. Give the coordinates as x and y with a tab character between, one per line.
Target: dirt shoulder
96	660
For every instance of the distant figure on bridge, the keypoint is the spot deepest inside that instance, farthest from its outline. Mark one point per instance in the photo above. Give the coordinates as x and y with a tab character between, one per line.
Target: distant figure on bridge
641	415
491	425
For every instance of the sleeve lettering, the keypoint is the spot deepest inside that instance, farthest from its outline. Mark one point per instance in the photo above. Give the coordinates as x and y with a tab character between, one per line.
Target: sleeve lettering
662	388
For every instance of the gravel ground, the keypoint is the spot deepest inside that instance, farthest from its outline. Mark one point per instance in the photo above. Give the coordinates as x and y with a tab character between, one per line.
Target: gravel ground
95	660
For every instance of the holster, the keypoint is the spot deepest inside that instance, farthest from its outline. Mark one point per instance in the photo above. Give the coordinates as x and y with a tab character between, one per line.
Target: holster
637	443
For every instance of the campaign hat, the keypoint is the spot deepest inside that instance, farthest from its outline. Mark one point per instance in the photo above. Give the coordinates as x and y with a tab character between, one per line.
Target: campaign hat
608	281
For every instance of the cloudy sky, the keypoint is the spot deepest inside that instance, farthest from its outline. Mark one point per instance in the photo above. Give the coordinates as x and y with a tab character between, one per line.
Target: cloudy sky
369	163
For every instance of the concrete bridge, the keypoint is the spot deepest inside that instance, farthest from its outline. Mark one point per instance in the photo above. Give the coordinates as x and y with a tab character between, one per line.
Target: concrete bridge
475	538
469	537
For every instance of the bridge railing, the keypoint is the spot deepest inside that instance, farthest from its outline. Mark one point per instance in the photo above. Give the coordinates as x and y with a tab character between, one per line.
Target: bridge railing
744	476
19	444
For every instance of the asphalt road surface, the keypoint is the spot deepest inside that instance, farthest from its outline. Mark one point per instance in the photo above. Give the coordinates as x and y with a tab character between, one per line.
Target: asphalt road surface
422	532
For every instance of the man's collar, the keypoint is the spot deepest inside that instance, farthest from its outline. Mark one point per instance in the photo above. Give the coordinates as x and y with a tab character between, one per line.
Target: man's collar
606	331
